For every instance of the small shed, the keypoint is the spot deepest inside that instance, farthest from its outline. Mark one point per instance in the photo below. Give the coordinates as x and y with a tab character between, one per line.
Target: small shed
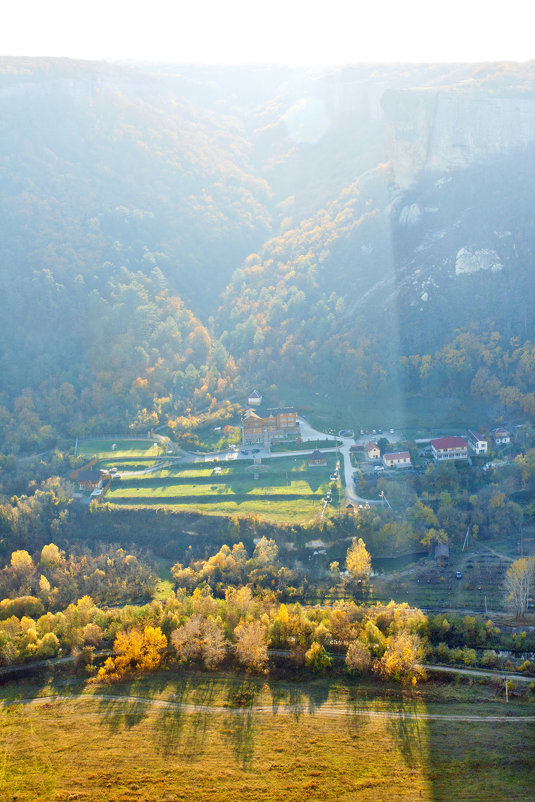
442	553
317	459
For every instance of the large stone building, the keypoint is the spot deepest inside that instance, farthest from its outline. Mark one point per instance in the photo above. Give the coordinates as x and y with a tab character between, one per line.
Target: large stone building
261	427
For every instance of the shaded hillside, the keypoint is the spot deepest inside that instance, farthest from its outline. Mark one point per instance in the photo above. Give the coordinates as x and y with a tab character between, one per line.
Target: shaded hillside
169	232
102	163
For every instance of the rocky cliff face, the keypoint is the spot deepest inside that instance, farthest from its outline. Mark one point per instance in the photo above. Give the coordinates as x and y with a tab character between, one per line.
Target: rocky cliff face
437	130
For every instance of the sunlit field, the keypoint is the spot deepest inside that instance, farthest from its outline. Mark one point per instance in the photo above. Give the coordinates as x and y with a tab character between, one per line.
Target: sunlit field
286	488
225	738
103	449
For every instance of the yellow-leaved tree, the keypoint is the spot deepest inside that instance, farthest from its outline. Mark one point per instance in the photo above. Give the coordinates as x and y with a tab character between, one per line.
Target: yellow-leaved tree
136	651
251	645
518	583
358	560
401	658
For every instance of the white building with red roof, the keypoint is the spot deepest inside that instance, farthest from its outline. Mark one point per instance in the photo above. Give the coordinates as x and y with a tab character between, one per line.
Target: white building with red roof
447	448
397	459
372	450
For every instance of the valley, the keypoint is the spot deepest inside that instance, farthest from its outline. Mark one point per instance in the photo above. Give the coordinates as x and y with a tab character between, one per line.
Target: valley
267	431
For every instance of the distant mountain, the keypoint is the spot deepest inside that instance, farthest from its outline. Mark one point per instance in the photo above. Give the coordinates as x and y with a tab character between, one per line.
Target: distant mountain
168	231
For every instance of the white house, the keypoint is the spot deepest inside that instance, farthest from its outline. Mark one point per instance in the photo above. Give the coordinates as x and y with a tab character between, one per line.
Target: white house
254	399
372	450
397	459
501	436
445	448
477	443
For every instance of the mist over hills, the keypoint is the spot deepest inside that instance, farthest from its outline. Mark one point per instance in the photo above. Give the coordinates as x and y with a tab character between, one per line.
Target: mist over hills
171	233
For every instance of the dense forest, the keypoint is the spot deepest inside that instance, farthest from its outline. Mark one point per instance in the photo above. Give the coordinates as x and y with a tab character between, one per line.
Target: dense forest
173	234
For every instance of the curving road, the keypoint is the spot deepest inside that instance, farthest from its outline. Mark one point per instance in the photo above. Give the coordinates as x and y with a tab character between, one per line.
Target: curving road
308	433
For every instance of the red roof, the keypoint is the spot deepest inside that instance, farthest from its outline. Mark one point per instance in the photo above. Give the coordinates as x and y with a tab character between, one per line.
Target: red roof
397	455
449	442
370	445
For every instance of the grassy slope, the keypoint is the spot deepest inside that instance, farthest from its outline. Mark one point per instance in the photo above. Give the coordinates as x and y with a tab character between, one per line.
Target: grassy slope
125	448
287	489
112	750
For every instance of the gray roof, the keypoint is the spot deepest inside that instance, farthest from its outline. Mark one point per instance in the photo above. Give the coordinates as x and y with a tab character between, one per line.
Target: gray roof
89	476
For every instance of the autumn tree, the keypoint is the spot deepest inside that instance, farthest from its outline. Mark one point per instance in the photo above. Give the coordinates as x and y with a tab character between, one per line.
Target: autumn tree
358	657
251	645
136	651
317	659
401	658
518	582
50	555
200	639
358	560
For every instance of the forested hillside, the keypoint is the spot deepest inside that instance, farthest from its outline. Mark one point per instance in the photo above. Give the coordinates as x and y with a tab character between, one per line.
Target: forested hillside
171	234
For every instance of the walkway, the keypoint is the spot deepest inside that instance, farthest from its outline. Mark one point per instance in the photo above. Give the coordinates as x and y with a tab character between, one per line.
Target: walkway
329	711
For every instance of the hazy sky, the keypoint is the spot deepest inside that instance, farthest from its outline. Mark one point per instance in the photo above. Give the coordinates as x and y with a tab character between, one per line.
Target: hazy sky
258	31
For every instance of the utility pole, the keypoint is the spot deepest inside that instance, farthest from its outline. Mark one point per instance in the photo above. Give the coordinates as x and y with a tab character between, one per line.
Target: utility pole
466	538
385	500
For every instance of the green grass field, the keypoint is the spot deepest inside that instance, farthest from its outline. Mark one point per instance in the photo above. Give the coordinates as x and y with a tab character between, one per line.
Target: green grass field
128	449
285	490
315	740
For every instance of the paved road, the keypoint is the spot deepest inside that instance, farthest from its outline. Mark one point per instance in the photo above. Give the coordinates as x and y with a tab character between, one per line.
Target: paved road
308	434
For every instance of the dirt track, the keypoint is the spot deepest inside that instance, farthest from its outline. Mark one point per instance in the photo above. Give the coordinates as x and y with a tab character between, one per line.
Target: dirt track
325	710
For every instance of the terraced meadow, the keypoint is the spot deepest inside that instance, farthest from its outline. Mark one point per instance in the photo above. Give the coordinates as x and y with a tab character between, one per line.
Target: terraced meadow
126	455
285	489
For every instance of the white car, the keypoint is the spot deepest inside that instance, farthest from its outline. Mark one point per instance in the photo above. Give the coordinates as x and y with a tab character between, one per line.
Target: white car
379	468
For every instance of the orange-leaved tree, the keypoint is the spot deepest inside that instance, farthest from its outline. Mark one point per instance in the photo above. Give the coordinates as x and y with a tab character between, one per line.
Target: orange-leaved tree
136	651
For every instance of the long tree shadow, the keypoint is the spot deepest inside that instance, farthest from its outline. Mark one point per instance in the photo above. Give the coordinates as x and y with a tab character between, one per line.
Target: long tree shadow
406	728
240	723
118	712
297	698
357	710
179	730
240	731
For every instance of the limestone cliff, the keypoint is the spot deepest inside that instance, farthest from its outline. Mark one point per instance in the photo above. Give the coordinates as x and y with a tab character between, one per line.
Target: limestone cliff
442	129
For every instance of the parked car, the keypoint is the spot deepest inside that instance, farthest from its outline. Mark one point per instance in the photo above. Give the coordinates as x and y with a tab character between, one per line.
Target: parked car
458	575
379	468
